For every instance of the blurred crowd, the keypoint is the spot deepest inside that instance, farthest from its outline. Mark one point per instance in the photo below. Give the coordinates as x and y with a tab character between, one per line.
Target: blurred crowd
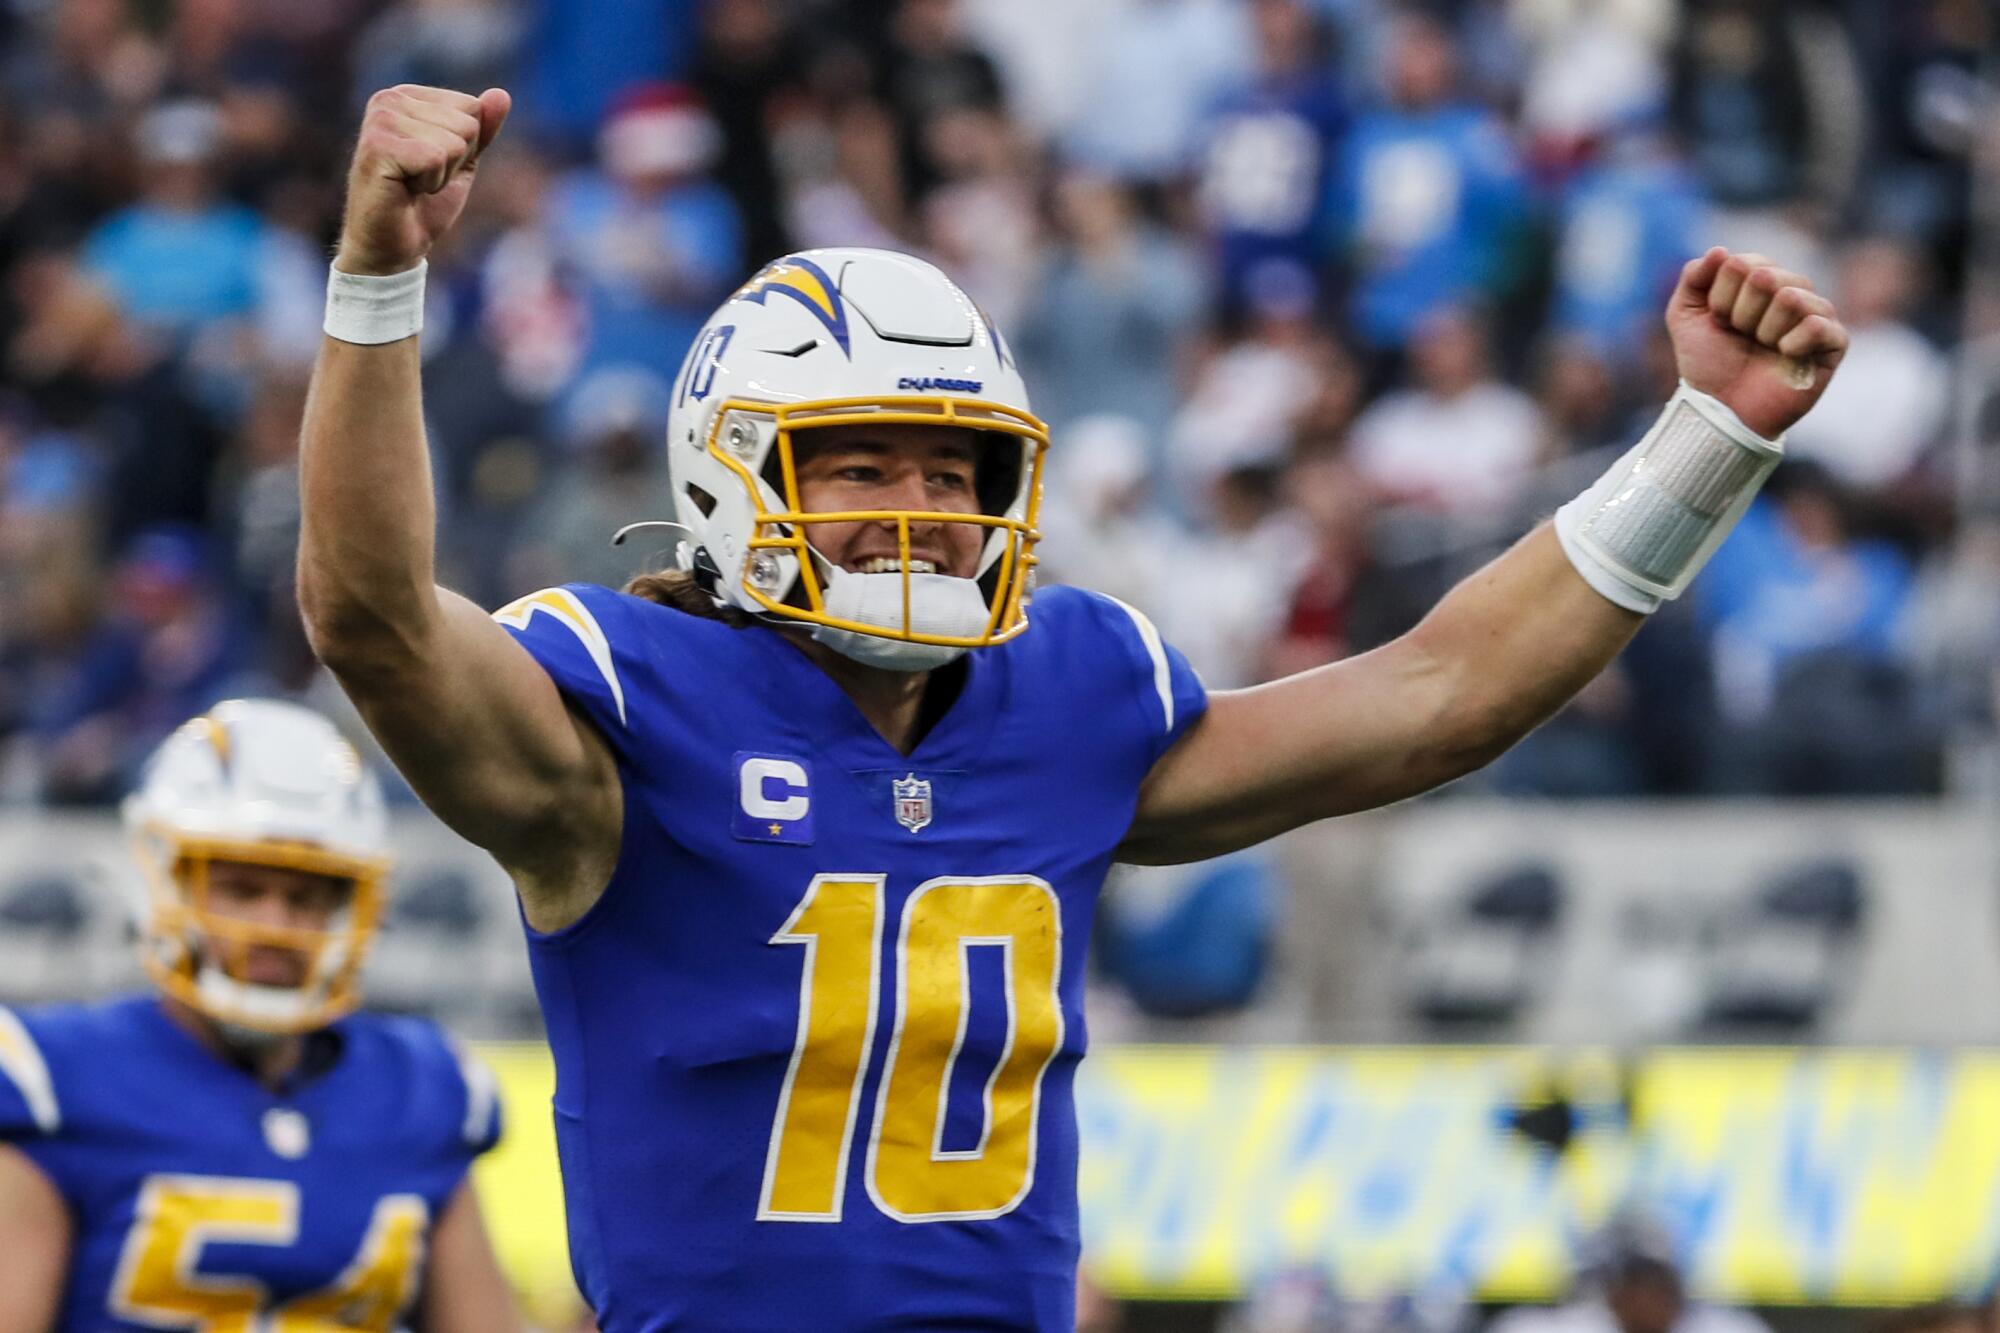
1325	300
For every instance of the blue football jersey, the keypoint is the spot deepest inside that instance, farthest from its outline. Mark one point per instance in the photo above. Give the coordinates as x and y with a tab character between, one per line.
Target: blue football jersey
204	1201
815	1044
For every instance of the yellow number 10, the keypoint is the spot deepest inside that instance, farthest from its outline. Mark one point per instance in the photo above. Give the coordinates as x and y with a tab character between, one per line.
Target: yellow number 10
911	1176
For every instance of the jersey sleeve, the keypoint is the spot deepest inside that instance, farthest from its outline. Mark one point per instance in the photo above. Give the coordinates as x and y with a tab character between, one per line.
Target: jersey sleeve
28	1105
572	632
480	1129
1166	691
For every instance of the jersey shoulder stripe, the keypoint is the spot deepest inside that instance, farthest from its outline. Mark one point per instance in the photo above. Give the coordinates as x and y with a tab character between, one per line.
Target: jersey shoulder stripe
567	609
1163	680
481	1128
21	1063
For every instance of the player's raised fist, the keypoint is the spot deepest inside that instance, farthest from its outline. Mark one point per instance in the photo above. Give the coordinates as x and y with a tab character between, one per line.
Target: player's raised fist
412	172
1756	336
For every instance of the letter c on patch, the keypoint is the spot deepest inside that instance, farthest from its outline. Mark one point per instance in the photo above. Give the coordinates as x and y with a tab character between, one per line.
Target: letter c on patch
754	787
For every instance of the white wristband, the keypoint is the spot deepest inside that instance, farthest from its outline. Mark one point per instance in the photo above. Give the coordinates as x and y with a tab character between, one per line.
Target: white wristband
368	310
1650	523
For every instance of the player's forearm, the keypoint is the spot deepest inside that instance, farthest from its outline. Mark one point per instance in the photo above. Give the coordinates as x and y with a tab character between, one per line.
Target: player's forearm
1513	643
368	525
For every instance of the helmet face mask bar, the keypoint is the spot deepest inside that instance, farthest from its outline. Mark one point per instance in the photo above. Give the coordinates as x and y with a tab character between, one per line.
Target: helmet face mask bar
854	338
784	574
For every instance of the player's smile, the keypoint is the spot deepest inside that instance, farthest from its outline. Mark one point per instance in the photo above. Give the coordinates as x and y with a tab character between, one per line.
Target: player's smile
915	468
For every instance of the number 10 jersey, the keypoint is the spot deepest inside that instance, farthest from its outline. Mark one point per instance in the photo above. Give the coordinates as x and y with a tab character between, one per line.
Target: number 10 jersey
815	1044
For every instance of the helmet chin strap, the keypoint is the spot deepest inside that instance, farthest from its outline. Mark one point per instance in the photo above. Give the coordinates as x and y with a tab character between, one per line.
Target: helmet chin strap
939	604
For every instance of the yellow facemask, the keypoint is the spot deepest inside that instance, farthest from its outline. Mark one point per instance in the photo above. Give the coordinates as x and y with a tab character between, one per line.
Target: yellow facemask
1007	559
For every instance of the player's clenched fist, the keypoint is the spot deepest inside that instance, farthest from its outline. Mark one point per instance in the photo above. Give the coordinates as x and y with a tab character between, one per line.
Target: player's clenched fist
412	172
1756	336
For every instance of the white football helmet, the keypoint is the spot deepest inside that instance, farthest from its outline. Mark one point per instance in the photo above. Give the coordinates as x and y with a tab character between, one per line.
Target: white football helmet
265	783
829	337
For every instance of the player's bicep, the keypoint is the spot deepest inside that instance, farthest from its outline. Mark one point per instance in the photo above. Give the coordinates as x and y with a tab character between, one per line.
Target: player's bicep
464	1290
488	742
1340	738
34	1245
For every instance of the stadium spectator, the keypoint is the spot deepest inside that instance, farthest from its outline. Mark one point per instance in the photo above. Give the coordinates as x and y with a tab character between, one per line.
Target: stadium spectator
1931	105
1324	619
612	426
111	687
1116	302
457	43
181	258
1427	202
1264	165
745	73
1249	392
930	71
1767	97
844	179
1164	63
577	60
1895	405
649	240
981	219
1626	222
1631	1283
1458	440
1807	621
1591	67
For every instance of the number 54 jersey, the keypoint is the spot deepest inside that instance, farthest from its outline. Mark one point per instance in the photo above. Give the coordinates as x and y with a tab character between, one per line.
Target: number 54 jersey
815	1044
203	1201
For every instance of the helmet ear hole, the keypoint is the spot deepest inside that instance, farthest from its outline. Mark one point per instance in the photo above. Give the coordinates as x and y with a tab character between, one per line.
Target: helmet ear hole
702	499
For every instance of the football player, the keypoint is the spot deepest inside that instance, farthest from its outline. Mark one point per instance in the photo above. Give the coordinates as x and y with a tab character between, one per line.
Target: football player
808	838
241	1153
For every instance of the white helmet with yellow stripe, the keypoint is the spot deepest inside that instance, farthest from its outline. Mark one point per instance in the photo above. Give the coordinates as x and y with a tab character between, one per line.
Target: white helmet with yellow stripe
835	337
268	785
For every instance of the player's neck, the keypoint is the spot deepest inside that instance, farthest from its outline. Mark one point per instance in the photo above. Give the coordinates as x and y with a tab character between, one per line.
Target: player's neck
892	701
271	1063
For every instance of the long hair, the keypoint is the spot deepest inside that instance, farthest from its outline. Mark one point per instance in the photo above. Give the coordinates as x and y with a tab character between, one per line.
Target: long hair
678	588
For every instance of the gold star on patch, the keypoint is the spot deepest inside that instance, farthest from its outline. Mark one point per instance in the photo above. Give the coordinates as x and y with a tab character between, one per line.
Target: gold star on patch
776	829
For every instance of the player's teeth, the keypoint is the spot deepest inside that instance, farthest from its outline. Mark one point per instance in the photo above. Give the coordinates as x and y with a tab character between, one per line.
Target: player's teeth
890	565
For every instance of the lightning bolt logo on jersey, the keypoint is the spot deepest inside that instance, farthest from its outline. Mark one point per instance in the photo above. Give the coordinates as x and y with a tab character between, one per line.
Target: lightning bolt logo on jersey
815	1043
202	1201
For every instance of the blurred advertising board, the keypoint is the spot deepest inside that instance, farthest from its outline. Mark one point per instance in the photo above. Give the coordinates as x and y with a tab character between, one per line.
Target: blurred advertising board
1785	1176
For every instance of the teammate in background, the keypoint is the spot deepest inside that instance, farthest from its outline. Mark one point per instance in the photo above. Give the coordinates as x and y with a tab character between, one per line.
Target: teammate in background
241	1152
808	837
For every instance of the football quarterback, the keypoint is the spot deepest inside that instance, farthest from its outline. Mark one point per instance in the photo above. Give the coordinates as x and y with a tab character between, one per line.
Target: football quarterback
809	832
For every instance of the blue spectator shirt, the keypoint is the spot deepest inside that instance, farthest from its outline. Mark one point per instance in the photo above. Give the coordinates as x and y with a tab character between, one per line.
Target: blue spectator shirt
578	58
1423	204
1264	174
650	271
176	270
1626	230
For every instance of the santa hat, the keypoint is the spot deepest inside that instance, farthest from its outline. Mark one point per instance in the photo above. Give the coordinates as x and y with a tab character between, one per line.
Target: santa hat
658	129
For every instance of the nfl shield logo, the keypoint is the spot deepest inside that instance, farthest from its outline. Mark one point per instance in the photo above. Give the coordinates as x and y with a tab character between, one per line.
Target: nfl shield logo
913	801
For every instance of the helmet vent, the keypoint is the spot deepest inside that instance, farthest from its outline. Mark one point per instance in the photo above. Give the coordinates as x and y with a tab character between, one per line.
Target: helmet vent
793	352
904	302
